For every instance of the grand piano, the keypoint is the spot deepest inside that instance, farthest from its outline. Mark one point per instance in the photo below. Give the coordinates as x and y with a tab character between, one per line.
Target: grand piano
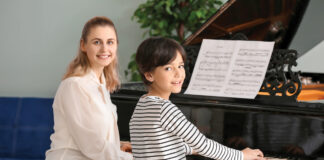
276	121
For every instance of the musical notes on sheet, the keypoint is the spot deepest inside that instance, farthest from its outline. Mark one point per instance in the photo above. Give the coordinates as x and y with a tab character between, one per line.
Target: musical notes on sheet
230	68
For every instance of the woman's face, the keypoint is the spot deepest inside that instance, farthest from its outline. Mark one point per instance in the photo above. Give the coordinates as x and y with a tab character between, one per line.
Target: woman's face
101	46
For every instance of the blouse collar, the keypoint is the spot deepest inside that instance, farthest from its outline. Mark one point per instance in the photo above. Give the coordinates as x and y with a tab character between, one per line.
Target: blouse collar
92	75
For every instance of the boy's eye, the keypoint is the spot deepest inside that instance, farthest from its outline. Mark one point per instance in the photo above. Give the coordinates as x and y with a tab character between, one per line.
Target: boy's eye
168	68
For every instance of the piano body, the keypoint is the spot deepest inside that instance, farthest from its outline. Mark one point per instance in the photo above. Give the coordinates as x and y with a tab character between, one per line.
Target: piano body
311	68
275	121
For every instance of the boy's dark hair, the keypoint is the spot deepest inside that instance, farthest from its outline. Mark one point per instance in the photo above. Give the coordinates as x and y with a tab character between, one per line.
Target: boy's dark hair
156	51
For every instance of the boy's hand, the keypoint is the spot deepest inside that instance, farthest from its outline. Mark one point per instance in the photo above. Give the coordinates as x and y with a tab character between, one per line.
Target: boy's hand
252	154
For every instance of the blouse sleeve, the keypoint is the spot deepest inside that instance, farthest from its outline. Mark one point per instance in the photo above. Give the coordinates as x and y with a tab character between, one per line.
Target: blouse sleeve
173	120
87	124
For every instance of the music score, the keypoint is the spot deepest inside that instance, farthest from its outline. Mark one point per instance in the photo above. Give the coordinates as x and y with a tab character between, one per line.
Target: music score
230	68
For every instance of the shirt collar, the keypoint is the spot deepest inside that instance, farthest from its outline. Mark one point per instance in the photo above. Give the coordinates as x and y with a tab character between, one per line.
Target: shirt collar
92	75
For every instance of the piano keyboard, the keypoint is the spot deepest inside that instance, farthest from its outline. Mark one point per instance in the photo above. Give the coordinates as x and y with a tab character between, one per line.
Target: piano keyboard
273	158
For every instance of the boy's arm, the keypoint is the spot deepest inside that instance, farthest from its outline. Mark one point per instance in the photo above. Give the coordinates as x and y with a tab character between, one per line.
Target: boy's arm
173	120
188	149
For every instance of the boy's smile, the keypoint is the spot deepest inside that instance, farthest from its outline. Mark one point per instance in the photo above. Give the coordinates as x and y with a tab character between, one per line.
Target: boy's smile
167	79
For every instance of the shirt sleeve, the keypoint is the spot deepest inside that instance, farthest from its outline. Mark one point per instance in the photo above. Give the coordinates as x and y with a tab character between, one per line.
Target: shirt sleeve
173	120
87	124
188	149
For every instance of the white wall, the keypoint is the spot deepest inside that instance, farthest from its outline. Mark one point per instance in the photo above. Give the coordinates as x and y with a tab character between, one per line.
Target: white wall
38	38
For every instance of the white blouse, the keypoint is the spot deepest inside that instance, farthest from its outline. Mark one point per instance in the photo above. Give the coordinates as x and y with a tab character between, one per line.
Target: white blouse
85	122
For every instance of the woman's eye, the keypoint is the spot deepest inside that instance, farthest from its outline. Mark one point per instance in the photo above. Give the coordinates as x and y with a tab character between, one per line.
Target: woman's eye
181	66
168	69
110	42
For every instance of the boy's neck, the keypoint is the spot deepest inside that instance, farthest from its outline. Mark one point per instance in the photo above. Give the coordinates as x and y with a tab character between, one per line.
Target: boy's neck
158	94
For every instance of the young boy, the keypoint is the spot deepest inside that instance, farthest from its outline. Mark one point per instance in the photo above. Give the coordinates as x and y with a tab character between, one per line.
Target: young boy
158	129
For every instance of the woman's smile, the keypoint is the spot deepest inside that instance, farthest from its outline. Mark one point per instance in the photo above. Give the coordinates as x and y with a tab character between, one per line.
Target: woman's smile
104	56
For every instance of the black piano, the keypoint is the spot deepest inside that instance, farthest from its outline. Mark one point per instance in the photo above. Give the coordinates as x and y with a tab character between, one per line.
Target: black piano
275	121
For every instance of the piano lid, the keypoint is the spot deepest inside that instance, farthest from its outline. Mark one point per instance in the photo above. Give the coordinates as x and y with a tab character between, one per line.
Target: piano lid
311	61
265	20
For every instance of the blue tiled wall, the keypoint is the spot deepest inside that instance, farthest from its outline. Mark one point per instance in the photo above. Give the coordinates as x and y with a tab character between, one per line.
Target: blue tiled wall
25	127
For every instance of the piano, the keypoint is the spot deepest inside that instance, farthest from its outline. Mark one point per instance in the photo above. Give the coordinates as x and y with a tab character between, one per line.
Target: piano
311	73
276	121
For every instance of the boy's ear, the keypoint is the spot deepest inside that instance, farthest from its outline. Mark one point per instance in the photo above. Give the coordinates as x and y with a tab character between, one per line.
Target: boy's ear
148	76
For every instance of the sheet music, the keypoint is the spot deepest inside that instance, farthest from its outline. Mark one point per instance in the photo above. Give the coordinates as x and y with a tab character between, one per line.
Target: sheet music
230	68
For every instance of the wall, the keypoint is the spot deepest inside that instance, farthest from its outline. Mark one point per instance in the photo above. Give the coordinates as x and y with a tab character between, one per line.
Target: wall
38	38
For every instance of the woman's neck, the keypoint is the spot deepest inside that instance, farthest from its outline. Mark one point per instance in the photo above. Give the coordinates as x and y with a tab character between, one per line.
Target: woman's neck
98	72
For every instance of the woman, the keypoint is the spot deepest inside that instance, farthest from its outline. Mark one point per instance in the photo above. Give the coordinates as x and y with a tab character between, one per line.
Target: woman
85	120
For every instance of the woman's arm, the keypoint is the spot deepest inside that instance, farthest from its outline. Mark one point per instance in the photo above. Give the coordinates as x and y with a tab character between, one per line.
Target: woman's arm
89	125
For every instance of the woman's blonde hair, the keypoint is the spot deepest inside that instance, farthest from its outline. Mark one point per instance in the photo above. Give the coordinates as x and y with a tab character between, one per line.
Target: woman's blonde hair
81	65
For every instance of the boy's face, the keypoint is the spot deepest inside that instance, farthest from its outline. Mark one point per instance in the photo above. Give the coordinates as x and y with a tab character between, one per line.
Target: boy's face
167	79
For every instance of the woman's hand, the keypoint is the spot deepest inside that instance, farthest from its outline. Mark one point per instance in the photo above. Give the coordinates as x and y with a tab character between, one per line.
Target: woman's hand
252	154
126	146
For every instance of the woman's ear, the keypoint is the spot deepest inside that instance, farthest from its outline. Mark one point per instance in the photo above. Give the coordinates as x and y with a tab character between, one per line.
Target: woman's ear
148	76
82	45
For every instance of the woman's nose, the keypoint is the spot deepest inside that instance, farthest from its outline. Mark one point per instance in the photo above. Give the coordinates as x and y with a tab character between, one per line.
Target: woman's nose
104	47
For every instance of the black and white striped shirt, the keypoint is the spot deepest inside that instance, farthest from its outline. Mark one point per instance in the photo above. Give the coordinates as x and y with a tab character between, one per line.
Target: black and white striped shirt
159	130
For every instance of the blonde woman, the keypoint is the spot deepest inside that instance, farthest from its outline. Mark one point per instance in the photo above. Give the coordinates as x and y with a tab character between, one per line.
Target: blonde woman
85	120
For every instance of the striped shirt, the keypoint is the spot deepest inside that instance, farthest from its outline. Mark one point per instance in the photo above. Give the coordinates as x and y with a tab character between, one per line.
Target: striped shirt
159	130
